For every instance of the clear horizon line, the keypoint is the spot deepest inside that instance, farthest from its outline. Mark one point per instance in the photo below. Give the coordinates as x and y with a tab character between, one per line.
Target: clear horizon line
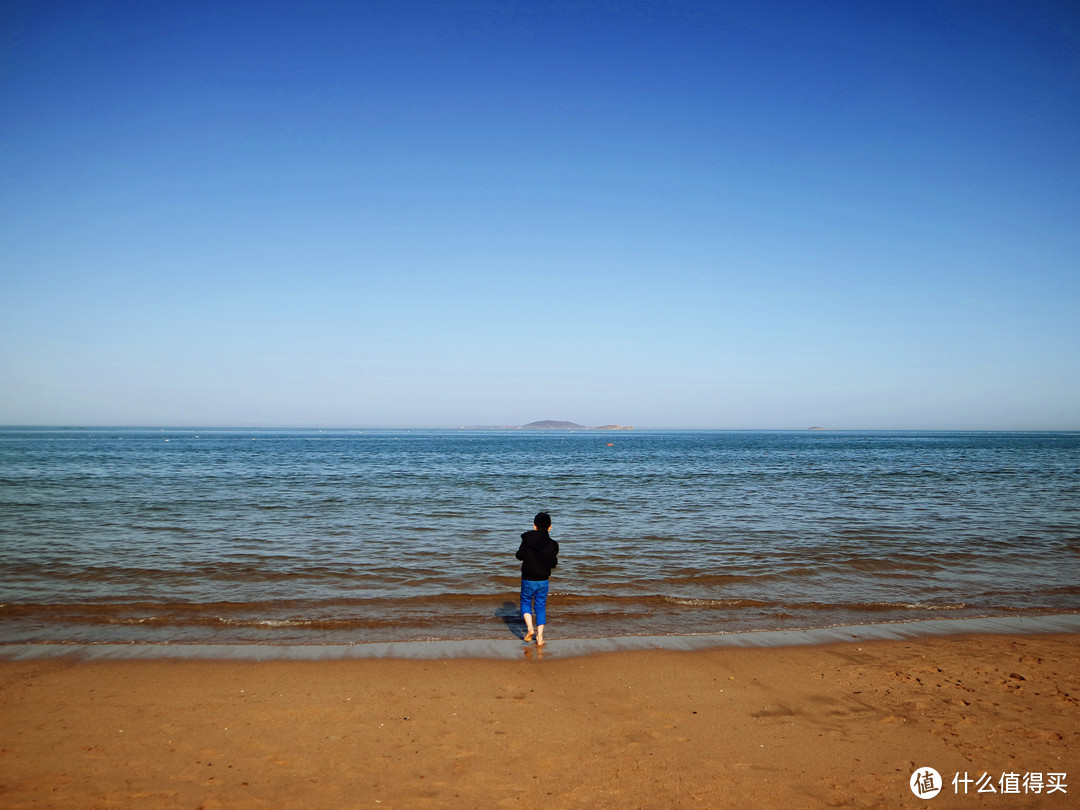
624	429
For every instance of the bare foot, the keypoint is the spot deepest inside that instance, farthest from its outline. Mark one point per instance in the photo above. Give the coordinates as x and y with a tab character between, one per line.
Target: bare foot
540	641
529	636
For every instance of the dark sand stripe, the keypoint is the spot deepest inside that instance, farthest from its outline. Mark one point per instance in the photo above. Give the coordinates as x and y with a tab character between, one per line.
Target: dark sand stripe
556	647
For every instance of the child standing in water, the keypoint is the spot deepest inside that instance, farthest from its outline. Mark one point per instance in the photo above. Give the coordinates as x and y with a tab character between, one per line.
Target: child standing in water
538	554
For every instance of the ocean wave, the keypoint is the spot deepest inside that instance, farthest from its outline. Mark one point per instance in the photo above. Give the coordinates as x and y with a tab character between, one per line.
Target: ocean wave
716	603
413	609
883	606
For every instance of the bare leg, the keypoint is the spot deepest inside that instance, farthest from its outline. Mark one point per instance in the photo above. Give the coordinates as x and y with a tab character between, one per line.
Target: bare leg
529	626
539	635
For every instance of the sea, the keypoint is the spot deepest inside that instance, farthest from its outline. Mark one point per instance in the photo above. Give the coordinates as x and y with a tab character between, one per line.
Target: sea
347	537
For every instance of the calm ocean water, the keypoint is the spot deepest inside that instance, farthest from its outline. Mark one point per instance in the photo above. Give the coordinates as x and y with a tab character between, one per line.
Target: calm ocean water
312	537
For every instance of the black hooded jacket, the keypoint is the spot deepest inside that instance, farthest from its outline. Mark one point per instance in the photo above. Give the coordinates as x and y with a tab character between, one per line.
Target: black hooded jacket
538	554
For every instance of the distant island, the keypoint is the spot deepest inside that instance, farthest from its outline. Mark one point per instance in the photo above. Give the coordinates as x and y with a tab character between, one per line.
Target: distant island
549	424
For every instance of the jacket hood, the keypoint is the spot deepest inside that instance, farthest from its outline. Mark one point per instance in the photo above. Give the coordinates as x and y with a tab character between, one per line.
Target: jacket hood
536	538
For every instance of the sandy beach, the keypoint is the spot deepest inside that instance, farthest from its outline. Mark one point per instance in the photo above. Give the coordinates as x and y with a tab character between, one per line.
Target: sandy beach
840	724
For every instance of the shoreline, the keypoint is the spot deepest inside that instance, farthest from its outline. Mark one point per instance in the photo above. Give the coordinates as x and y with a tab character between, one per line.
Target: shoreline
512	648
840	723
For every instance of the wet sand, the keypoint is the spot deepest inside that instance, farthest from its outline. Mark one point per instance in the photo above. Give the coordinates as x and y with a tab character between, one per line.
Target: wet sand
835	724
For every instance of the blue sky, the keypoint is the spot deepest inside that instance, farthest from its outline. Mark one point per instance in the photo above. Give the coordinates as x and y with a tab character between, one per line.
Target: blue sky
685	214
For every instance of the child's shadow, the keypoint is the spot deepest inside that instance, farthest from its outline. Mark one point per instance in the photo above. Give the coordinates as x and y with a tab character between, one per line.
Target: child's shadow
510	613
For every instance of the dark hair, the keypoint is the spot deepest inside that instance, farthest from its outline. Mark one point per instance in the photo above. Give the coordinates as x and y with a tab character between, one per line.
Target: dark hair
542	521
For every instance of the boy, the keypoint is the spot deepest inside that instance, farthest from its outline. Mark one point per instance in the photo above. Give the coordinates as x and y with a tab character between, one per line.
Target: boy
538	554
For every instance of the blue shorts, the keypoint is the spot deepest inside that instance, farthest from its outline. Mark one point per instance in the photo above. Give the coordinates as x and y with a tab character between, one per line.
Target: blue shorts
533	590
